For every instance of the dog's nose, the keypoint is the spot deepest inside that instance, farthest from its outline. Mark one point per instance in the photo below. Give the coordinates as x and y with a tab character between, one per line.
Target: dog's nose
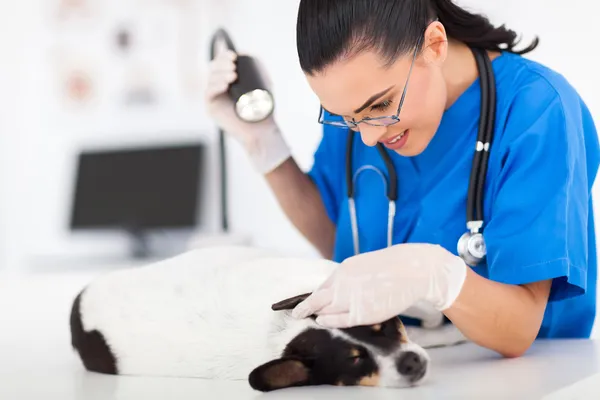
411	365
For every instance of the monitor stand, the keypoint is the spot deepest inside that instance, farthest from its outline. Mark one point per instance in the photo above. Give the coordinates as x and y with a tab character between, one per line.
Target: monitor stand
140	248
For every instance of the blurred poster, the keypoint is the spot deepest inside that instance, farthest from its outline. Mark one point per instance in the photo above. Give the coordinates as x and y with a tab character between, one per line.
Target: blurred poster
73	9
144	53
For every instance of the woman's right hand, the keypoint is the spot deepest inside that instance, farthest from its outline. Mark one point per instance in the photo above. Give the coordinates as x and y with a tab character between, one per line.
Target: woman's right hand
262	140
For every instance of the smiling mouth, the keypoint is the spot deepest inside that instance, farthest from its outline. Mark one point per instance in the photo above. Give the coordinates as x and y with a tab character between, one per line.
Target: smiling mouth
396	138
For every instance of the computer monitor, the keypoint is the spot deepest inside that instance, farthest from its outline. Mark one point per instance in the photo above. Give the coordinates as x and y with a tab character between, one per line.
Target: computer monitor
138	190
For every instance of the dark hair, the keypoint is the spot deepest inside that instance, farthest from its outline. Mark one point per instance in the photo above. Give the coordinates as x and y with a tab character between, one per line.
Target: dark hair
328	30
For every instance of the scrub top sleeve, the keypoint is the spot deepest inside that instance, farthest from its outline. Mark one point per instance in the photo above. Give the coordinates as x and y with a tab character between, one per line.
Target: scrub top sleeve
327	171
537	229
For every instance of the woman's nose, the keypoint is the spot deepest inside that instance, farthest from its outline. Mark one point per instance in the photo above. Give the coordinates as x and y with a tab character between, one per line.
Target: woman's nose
370	134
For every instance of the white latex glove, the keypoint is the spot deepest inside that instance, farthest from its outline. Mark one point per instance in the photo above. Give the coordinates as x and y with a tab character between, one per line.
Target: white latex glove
430	317
373	287
262	140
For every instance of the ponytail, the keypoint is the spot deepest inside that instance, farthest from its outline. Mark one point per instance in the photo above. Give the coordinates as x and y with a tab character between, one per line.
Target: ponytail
475	29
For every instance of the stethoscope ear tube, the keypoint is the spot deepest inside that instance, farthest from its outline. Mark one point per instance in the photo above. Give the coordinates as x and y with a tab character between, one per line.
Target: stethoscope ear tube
474	209
349	153
392	187
489	133
484	139
393	180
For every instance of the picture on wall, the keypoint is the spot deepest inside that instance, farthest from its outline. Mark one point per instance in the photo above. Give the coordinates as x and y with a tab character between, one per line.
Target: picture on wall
145	52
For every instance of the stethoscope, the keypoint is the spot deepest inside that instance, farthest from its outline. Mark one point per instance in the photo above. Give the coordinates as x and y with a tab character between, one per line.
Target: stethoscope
471	245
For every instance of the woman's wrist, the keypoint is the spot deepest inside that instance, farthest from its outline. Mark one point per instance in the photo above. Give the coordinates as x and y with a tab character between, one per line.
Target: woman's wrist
267	149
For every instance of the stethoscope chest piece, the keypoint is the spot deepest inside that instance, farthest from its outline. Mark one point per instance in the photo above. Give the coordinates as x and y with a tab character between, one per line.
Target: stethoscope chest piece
471	248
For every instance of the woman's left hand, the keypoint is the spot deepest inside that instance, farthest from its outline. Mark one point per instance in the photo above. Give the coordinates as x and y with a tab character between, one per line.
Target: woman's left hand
372	287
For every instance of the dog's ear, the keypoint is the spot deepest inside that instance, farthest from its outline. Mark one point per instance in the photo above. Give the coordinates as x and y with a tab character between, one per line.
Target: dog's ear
289	304
279	374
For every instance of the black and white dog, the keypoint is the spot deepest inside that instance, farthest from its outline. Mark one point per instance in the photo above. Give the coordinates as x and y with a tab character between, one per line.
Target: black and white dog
224	313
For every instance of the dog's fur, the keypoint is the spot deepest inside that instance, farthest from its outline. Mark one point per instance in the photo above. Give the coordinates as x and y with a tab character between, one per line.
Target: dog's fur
218	313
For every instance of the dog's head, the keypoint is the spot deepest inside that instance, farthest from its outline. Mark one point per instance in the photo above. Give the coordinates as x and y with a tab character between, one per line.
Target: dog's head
375	355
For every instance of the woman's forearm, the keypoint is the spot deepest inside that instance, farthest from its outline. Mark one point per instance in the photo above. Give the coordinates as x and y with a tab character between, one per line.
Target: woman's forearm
301	201
505	318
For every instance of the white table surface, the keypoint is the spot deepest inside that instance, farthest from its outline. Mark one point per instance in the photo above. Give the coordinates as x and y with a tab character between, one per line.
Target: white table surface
36	362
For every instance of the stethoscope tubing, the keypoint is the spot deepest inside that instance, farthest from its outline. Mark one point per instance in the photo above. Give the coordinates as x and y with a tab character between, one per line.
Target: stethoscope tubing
484	140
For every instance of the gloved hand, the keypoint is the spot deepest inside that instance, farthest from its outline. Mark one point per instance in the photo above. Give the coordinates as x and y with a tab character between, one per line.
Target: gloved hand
423	311
372	287
262	140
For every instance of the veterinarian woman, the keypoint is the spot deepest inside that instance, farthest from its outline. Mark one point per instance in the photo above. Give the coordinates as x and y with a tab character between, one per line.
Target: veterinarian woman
408	107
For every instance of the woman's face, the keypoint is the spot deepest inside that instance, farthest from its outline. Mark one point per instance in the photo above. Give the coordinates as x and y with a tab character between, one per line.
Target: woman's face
362	87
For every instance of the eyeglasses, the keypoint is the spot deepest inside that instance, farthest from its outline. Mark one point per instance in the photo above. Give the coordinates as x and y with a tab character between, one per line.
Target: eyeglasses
373	121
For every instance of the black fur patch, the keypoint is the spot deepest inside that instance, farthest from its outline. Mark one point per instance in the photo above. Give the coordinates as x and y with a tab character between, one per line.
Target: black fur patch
323	360
91	346
385	337
279	373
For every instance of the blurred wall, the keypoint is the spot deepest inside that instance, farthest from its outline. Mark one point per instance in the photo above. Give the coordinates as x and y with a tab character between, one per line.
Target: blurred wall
71	80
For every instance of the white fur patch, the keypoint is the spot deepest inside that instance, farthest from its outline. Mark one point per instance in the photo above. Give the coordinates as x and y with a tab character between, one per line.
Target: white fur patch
206	313
445	335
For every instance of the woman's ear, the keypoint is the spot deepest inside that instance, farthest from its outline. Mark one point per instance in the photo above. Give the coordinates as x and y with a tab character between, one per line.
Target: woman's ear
435	44
279	374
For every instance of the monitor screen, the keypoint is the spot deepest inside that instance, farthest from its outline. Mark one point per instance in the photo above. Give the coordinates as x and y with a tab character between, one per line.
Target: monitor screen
138	189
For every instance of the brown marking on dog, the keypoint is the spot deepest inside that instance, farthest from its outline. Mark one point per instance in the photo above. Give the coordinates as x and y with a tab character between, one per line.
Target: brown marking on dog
371	380
376	327
402	330
354	352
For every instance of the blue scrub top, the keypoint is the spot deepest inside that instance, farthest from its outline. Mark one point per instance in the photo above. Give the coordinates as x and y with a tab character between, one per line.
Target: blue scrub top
538	206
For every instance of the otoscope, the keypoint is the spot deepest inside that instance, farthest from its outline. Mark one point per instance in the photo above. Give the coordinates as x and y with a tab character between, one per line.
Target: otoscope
253	102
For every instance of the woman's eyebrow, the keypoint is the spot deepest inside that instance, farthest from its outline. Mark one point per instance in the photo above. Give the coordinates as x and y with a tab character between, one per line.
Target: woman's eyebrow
371	99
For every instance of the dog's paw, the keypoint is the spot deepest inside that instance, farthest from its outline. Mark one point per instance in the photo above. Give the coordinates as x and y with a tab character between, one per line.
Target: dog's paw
446	335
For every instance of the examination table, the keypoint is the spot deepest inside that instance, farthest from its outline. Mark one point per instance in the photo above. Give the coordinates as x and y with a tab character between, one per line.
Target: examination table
36	362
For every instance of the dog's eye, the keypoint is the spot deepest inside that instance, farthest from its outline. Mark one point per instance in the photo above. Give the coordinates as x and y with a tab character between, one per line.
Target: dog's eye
356	360
357	355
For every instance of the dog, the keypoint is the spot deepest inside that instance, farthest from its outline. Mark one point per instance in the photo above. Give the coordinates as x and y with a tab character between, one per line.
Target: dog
225	313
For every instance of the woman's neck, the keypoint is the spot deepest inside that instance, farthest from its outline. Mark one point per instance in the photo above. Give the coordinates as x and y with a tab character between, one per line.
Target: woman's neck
460	70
